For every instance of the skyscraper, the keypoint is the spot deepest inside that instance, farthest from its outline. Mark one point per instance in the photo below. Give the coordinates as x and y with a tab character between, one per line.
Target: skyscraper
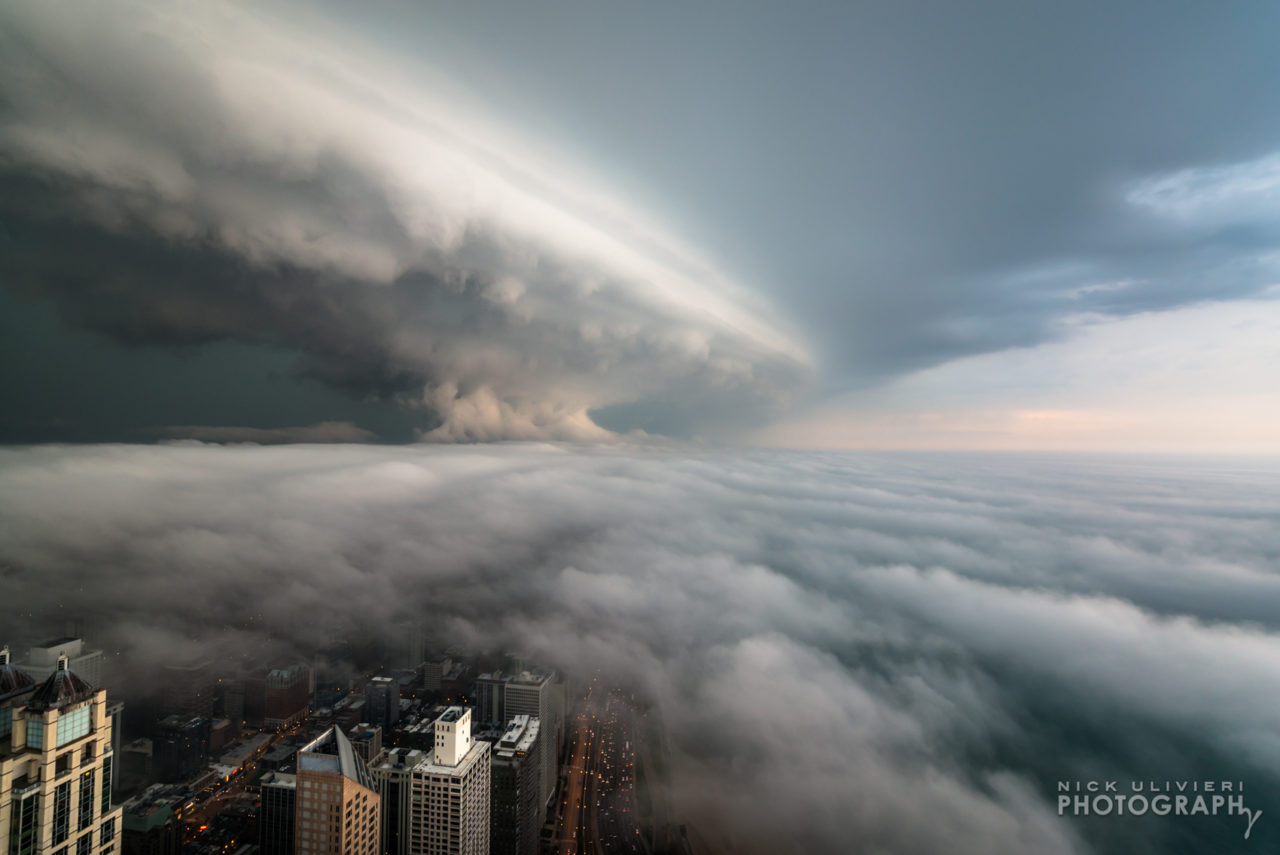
366	739
434	671
189	689
515	813
338	809
180	747
441	796
277	815
382	702
273	697
501	697
55	765
394	772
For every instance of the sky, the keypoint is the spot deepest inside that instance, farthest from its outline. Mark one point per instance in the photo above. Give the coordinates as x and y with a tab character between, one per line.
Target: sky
646	338
975	225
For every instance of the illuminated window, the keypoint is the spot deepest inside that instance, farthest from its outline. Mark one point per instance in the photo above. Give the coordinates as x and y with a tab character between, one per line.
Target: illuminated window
86	800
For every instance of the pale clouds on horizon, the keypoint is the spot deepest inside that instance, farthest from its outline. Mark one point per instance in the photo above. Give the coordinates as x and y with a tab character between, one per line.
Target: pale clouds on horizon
1200	379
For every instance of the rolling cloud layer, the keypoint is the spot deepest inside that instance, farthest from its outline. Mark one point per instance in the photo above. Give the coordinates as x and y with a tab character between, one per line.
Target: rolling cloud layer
175	176
881	654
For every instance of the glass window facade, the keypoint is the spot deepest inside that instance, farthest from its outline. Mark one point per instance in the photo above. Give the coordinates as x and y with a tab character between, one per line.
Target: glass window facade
85	817
23	825
107	833
73	725
106	786
61	813
35	732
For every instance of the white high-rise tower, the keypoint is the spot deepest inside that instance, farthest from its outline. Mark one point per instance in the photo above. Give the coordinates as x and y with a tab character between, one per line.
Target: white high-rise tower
441	796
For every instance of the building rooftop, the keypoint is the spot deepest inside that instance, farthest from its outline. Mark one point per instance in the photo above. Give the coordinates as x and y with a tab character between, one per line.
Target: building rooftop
533	678
281	780
61	689
520	735
167	795
13	680
239	754
401	758
147	817
58	642
332	752
428	765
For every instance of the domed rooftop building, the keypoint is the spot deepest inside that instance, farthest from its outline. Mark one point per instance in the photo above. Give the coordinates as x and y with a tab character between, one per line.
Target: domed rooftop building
61	689
13	680
56	761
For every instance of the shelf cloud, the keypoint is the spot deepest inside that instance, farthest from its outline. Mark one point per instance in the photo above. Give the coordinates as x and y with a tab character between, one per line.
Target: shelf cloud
175	176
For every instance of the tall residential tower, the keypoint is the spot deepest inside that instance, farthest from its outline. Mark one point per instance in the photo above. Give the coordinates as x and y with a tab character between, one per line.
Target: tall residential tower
439	797
338	810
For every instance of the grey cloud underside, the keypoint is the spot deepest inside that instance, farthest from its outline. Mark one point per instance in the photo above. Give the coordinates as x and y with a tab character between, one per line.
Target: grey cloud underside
207	175
322	432
906	652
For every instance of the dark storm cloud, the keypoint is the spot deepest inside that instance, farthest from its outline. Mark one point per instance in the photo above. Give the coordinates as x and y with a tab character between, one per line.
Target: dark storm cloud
324	432
906	652
182	176
912	182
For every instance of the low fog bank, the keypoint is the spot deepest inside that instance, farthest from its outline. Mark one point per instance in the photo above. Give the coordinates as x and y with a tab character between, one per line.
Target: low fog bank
873	653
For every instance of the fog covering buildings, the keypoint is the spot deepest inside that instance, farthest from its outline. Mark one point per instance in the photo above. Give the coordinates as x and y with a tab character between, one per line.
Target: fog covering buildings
42	659
998	619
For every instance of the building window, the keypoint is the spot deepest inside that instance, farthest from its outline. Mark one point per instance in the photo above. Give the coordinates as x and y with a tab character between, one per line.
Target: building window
73	725
107	833
6	721
86	800
84	845
35	733
62	812
23	827
106	785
